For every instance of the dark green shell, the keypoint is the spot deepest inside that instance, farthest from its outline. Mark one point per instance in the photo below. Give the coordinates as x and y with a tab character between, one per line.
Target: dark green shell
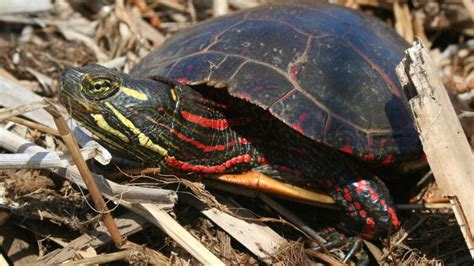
326	71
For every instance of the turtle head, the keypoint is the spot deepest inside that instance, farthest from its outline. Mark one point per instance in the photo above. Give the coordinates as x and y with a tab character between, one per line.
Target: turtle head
127	114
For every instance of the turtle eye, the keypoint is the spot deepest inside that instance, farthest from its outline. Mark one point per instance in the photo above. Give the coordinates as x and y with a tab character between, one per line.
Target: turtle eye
100	88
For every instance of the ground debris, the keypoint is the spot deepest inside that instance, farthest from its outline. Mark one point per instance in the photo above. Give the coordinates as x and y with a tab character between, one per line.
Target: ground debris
36	196
47	55
36	47
429	237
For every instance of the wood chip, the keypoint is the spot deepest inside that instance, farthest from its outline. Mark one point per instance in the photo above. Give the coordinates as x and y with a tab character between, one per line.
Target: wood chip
157	216
128	224
444	143
257	237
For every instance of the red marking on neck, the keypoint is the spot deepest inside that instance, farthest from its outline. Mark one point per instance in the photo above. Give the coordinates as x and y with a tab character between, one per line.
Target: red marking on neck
219	124
220	168
286	169
207	148
212	103
368	157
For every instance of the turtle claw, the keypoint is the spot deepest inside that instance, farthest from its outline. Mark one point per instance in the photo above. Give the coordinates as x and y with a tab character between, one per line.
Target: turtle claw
333	238
356	247
348	248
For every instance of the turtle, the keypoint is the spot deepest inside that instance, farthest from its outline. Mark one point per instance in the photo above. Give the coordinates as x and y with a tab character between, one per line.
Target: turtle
305	94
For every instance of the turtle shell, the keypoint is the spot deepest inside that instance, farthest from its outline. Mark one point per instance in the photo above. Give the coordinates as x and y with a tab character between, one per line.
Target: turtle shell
326	71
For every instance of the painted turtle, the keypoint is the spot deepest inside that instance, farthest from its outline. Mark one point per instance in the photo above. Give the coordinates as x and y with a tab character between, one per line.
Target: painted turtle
307	94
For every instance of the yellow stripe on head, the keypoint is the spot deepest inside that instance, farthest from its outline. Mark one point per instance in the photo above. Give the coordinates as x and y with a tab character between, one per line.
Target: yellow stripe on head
135	94
144	140
102	123
173	94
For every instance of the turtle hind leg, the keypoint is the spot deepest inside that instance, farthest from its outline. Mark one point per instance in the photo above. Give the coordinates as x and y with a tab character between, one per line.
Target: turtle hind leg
365	199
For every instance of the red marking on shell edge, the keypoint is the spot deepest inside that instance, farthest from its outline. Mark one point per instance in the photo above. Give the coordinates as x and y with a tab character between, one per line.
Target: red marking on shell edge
245	96
297	127
362	214
389	160
183	80
347	149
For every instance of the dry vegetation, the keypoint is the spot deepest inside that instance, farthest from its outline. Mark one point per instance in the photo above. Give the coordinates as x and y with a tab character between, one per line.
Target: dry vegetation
42	213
